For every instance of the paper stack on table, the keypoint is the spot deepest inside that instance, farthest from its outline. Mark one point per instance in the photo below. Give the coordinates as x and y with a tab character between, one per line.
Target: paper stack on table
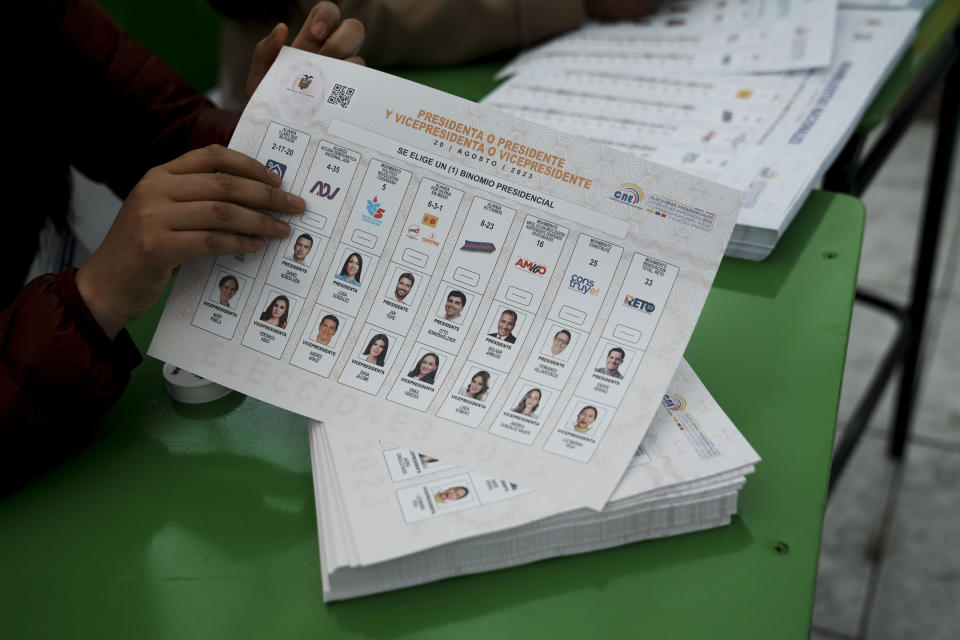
393	517
699	37
772	134
497	294
447	242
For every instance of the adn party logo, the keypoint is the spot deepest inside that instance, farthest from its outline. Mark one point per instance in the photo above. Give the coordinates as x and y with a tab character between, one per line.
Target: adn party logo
324	190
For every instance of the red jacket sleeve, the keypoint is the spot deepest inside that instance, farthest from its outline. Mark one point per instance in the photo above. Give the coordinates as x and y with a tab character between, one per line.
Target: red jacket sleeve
130	112
57	366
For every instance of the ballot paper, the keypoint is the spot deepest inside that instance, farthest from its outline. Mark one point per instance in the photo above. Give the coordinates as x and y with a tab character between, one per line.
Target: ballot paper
773	134
698	36
709	126
510	297
391	516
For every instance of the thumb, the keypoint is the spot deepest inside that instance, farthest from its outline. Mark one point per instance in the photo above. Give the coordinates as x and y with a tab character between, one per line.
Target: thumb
264	54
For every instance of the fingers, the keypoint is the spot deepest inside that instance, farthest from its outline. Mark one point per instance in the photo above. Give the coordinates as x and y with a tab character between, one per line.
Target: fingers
264	54
191	245
216	158
216	173
225	187
225	216
320	23
356	60
345	41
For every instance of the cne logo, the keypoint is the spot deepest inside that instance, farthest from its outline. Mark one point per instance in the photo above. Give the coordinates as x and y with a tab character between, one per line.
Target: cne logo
322	190
628	193
532	267
638	304
674	403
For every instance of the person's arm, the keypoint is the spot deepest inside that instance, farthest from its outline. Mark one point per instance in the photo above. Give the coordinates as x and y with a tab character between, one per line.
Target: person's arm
436	32
130	111
64	356
204	203
433	32
134	112
57	366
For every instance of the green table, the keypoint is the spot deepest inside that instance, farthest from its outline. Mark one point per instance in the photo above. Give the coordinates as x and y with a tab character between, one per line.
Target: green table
198	522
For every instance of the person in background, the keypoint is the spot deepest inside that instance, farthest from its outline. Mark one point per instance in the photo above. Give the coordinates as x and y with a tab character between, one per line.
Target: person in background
424	32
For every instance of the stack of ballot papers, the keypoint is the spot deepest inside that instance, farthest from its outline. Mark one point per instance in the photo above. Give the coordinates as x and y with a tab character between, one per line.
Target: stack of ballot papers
391	517
657	90
505	303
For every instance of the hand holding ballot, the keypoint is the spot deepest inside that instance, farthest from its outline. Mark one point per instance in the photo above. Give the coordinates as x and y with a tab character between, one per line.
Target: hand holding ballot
201	204
322	33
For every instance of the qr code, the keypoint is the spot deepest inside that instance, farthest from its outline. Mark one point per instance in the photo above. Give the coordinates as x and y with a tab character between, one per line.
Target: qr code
341	95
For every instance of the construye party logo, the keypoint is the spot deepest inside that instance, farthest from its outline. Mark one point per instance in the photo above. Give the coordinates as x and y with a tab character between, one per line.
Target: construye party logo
628	193
583	284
